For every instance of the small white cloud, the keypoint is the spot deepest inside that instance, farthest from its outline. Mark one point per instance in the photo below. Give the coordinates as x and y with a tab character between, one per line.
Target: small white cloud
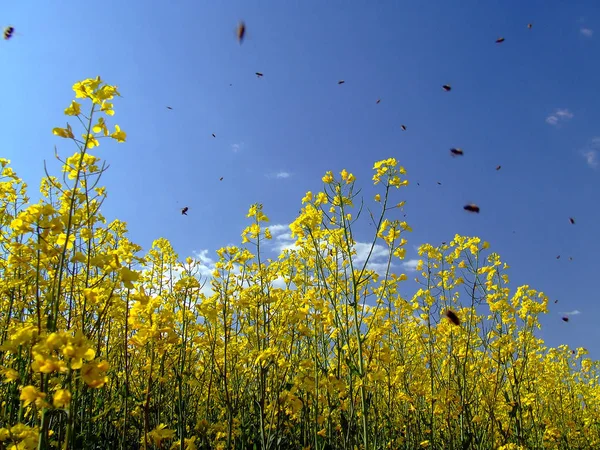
362	252
282	238
559	115
236	147
410	265
283	174
572	313
590	152
587	32
591	157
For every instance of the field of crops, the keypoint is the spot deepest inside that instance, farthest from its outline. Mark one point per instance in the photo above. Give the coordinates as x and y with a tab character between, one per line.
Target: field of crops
104	346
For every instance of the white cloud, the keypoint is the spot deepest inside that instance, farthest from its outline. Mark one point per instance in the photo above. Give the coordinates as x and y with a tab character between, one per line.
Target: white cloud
587	32
283	174
410	265
362	252
572	313
560	115
237	147
590	152
282	238
591	157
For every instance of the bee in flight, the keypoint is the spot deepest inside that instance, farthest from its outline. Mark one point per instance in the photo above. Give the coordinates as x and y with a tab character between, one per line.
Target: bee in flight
456	152
241	31
403	127
565	319
377	102
453	317
572	221
214	135
221	179
499	167
471	208
258	74
8	32
500	40
341	82
447	87
184	211
529	25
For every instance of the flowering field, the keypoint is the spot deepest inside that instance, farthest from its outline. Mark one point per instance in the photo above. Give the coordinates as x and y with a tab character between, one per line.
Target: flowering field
103	346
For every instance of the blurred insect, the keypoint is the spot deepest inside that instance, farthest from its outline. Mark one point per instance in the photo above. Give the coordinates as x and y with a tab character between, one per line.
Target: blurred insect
572	221
418	184
8	32
168	107
341	82
184	211
500	40
221	179
570	258
499	167
258	74
565	319
447	87
456	152
214	135
378	101
241	31
403	127
558	257
555	301
529	25
471	208
453	317
439	183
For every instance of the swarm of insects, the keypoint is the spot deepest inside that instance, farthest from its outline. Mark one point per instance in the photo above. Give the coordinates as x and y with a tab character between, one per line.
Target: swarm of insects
446	87
453	317
184	211
456	152
8	32
258	74
403	127
471	208
241	31
500	40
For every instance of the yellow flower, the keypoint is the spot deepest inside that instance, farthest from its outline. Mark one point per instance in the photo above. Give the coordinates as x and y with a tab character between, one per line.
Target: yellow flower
128	276
62	398
100	126
66	133
30	394
11	375
328	177
119	135
93	374
377	198
74	109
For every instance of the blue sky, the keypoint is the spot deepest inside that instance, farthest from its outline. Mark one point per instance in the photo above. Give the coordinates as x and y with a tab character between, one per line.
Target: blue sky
529	104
